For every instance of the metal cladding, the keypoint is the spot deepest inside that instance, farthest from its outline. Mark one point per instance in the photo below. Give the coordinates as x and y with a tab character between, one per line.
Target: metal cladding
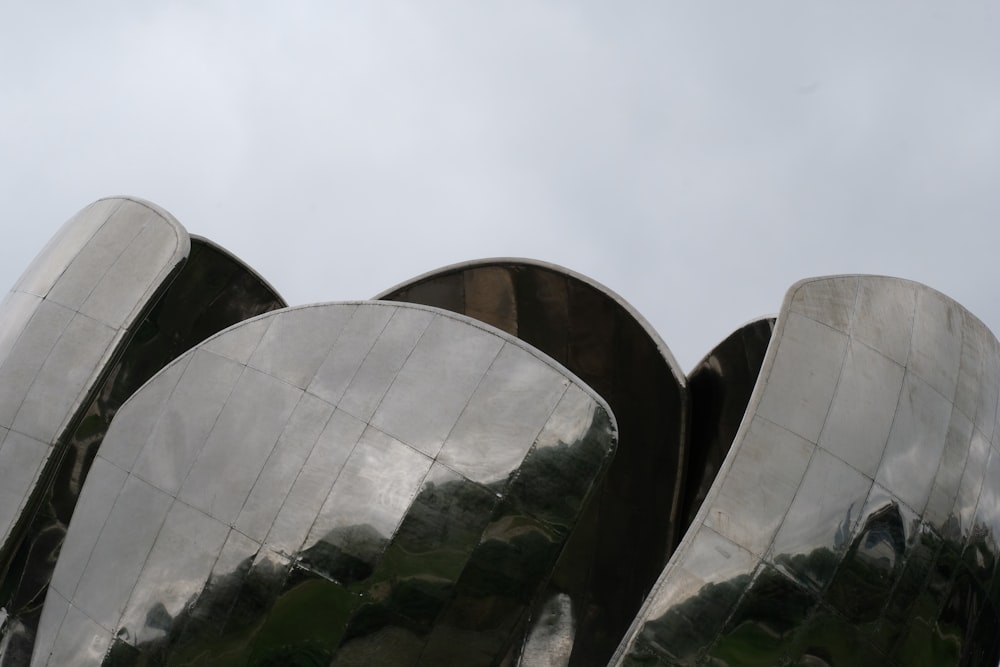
855	519
596	589
62	324
324	481
119	261
720	386
390	483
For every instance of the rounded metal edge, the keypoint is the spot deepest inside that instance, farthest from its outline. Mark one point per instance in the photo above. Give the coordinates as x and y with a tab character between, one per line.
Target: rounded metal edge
661	346
477	324
246	267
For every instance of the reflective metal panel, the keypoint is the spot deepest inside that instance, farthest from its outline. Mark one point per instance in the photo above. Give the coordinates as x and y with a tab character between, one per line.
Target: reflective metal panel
210	291
261	523
719	387
598	585
61	326
369	483
854	520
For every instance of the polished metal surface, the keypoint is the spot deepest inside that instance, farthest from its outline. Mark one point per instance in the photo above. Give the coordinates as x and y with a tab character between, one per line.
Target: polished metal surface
211	291
854	521
597	587
61	326
719	387
367	483
389	483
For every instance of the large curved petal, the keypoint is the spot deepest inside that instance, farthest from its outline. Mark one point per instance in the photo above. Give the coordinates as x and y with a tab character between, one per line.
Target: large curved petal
61	326
598	585
371	483
212	290
855	519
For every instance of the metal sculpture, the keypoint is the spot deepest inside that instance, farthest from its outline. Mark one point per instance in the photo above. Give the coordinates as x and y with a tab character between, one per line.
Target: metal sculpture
855	518
120	291
597	587
350	482
375	482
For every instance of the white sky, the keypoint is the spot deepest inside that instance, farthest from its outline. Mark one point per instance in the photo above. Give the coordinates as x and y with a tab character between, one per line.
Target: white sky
695	157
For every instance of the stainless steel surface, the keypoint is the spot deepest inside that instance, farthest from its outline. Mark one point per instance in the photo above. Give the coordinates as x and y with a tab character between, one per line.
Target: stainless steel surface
255	521
719	388
58	332
142	292
376	483
841	528
598	585
65	321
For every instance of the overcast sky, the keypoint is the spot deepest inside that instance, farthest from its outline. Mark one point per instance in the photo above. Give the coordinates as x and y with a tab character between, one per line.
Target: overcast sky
695	157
